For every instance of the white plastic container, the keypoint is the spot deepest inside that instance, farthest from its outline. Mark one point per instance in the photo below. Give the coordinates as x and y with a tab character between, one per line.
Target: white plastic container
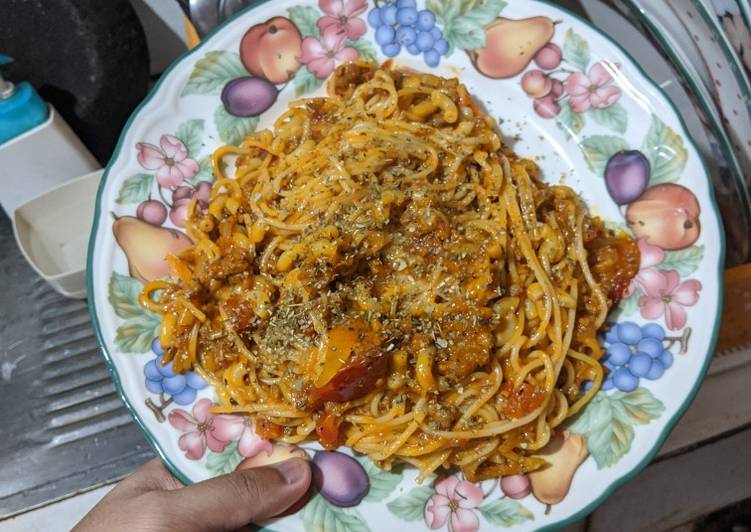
53	230
39	160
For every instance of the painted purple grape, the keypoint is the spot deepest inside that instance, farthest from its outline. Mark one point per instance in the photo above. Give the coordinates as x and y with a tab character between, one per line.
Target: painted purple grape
248	96
626	176
340	479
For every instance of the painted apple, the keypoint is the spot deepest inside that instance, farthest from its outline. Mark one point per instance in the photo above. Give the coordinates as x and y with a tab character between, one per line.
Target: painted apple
564	454
511	45
666	215
271	49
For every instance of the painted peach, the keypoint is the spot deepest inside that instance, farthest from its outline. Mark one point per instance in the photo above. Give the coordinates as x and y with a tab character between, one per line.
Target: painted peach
564	453
271	49
279	453
667	216
511	45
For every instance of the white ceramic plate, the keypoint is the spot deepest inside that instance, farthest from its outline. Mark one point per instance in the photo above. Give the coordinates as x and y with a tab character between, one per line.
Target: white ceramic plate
608	105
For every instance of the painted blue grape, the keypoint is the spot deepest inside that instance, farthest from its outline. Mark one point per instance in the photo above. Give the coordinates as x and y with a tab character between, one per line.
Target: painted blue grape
154	386
391	49
618	354
374	17
436	33
651	346
653	330
656	370
629	333
388	15
174	385
194	381
424	41
151	371
432	58
607	384
425	20
441	46
185	397
666	358
405	36
384	35
612	335
624	380
640	364
413	49
406	16
405	3
165	370
156	347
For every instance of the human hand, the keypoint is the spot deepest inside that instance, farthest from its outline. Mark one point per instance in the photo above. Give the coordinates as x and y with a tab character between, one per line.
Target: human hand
152	499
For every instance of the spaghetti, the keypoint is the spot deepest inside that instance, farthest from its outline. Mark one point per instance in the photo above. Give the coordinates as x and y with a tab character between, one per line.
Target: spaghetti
380	272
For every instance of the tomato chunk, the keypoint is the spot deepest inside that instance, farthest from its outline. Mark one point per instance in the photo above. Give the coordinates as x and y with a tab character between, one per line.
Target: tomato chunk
327	428
356	378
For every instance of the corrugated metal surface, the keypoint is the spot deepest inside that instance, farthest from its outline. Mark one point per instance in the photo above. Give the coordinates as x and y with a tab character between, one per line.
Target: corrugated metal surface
62	427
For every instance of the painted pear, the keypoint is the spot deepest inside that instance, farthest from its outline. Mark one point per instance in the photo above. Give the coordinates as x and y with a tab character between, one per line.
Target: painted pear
146	246
564	453
511	45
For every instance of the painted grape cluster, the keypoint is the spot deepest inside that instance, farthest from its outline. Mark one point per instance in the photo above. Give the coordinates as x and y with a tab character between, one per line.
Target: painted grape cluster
633	352
399	25
162	379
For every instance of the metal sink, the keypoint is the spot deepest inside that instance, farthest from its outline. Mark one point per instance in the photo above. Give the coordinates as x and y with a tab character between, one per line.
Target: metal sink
63	429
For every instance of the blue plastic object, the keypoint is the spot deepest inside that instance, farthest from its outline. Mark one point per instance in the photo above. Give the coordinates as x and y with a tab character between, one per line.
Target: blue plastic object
20	111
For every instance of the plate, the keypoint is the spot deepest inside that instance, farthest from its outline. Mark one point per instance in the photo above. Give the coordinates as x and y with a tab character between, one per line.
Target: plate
608	105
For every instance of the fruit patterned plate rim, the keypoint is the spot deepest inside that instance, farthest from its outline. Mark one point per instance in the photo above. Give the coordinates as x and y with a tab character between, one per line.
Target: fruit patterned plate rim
647	449
710	111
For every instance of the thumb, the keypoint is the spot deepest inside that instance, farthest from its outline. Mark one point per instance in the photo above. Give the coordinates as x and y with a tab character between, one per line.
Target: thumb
234	500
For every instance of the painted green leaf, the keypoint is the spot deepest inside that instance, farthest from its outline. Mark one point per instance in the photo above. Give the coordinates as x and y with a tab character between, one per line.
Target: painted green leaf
464	21
608	422
629	305
123	295
305	18
411	505
205	171
684	261
212	71
306	81
505	512
598	149
364	48
665	151
224	462
233	129
135	189
191	133
568	121
613	117
382	483
136	334
321	516
576	50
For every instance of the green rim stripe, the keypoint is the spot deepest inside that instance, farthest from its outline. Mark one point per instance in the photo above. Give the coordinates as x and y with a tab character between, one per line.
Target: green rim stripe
615	483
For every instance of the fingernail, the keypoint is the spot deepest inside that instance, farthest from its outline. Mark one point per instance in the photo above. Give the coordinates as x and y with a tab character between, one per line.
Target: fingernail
292	470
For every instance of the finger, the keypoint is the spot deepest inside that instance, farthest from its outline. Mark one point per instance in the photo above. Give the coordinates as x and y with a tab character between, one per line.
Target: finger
242	497
152	476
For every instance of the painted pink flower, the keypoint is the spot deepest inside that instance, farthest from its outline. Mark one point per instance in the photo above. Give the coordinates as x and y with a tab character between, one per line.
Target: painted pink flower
321	57
452	504
592	90
199	430
651	256
341	16
170	159
665	294
240	428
